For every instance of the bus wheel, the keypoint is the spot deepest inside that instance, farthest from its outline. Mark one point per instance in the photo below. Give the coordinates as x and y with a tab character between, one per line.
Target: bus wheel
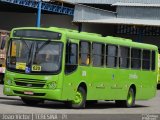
80	99
130	102
30	101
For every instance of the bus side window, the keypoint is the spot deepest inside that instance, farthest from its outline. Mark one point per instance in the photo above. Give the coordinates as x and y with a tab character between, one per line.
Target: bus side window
146	60
84	53
111	55
153	60
71	57
97	54
124	57
135	58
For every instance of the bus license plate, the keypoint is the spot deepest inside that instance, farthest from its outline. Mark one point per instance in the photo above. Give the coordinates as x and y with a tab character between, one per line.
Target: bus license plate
28	93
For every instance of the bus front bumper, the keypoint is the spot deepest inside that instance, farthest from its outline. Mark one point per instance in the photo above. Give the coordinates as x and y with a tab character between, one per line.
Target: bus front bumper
48	94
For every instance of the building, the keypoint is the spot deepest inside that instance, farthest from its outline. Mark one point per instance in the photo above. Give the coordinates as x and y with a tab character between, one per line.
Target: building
23	13
135	19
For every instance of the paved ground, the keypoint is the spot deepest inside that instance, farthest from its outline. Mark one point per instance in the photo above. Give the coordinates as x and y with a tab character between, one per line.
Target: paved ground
14	105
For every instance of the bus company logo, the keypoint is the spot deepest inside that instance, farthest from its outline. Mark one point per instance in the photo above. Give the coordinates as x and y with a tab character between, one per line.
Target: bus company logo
29	85
150	117
133	76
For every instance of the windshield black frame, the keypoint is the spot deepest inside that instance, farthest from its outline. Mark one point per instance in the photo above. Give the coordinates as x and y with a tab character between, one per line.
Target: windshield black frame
29	62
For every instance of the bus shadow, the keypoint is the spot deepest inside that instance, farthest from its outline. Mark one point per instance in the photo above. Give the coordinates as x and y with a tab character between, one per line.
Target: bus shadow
110	105
158	87
9	98
60	105
50	105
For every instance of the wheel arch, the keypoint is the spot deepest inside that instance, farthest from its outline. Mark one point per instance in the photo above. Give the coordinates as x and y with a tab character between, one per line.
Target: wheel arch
83	85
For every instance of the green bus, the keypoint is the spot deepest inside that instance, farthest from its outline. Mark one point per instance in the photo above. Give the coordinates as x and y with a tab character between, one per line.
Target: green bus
158	81
78	67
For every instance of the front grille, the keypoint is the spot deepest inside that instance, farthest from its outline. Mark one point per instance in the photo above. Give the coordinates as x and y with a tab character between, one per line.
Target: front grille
30	82
35	94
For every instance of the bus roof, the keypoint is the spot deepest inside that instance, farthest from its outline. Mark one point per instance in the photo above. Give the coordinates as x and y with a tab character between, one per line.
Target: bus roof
94	37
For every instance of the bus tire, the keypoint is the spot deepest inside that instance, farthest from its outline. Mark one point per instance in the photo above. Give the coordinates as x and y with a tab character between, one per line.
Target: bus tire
80	99
130	102
31	102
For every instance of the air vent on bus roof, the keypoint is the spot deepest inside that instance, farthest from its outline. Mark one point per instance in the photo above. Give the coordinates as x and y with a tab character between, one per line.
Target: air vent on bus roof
118	38
64	29
99	35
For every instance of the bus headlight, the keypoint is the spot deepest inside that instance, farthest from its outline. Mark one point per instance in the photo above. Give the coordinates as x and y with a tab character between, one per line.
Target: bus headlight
52	85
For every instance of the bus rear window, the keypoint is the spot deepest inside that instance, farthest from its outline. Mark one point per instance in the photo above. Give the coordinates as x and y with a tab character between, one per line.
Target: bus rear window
37	34
153	60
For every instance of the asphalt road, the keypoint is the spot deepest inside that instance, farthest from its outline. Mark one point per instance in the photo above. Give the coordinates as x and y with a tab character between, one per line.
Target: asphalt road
9	105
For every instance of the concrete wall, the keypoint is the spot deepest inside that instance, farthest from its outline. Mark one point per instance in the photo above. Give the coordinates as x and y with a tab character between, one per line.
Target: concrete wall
83	12
10	20
148	13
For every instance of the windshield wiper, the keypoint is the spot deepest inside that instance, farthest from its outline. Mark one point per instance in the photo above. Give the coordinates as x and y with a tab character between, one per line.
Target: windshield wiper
25	43
29	54
43	45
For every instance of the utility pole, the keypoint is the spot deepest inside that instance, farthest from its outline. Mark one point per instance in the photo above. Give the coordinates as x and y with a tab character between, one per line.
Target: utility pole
39	13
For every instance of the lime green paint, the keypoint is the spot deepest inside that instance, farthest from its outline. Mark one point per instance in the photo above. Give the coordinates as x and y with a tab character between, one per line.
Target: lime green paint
130	98
78	98
158	79
102	83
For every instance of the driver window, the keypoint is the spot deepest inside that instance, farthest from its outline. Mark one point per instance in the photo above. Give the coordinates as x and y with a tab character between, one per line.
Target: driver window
71	57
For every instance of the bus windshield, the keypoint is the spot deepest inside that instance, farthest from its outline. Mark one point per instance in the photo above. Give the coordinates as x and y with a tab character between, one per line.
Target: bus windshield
34	56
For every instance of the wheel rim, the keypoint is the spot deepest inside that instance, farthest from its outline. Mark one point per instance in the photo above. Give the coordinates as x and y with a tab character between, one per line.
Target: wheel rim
130	98
78	98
